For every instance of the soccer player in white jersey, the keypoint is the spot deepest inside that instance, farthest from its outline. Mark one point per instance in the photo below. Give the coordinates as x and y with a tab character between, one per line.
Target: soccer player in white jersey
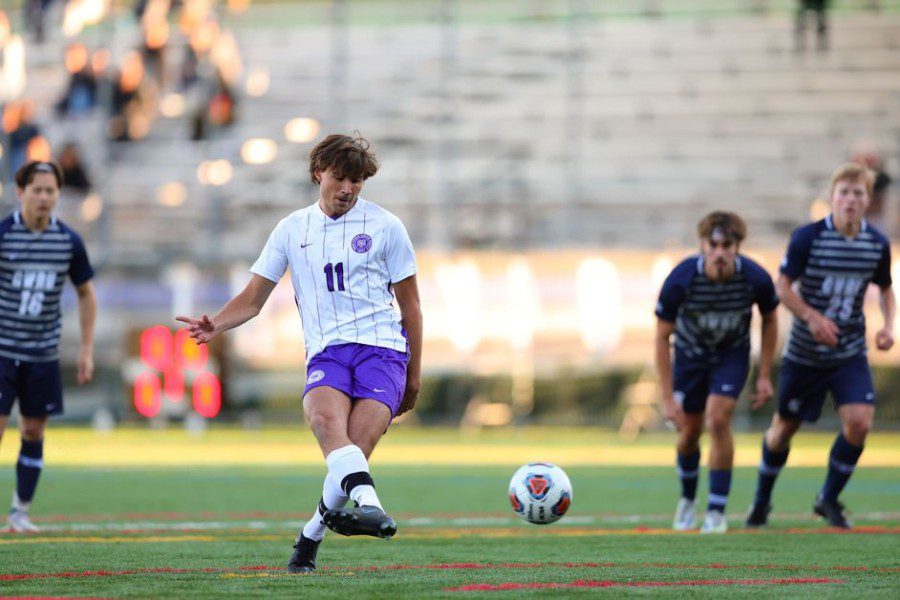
833	261
350	260
38	253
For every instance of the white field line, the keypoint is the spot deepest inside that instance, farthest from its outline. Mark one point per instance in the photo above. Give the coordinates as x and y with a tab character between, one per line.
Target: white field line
463	522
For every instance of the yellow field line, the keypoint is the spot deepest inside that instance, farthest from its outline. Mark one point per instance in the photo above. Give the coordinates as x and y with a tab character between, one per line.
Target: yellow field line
147	448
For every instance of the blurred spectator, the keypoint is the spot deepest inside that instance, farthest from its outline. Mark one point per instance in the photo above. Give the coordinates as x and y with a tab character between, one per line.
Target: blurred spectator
217	111
880	212
820	9
18	122
155	29
74	172
34	12
81	94
133	101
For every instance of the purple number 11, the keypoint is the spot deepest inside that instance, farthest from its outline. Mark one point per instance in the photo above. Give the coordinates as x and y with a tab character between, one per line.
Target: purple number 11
330	272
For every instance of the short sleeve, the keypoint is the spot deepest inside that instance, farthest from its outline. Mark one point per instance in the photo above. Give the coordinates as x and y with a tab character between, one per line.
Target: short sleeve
794	261
882	277
80	270
399	254
670	297
766	298
273	260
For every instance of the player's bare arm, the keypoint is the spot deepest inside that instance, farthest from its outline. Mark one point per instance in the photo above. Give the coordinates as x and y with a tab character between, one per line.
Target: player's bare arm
884	339
237	311
87	310
824	330
670	409
764	389
407	294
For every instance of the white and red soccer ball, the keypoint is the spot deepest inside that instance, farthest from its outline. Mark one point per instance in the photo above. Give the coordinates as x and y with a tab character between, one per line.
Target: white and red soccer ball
540	493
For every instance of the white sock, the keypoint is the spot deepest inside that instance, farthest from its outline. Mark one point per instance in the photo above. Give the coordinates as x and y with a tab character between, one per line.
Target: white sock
18	504
350	460
332	497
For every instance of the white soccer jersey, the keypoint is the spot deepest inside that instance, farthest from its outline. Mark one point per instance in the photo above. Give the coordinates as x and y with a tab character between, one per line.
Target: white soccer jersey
342	270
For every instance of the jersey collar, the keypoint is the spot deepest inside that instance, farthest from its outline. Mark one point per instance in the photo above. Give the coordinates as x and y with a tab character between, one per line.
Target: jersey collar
829	223
358	205
738	264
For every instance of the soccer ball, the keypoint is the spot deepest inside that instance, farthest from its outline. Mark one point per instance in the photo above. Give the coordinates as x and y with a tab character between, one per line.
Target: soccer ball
540	493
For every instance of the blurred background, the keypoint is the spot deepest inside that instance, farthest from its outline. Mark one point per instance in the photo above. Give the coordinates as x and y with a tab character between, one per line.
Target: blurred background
550	160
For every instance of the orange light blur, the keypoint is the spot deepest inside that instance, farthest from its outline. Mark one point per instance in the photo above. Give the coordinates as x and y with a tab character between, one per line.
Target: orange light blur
204	36
4	29
207	395
132	72
238	6
12	117
189	354
156	35
76	58
156	347
100	60
38	149
147	395
193	13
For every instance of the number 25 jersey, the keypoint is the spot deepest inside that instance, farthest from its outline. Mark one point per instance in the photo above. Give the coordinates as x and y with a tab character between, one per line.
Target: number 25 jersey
342	270
834	273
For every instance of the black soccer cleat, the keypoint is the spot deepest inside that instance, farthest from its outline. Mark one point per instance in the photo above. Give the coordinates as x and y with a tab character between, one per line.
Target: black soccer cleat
758	515
304	558
361	520
832	511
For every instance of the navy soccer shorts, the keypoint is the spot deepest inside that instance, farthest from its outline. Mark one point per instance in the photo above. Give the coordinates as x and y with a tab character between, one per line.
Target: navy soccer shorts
695	380
37	385
801	393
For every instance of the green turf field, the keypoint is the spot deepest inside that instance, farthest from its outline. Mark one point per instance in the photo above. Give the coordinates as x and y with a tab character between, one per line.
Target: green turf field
217	530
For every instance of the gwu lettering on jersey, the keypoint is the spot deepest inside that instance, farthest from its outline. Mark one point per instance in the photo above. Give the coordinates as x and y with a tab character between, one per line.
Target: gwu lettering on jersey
834	273
33	270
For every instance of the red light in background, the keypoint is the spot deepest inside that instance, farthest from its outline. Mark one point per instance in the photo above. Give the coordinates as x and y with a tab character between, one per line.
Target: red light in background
207	395
188	354
156	347
147	395
173	383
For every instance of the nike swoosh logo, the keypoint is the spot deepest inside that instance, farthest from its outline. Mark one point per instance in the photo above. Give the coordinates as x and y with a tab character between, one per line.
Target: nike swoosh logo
305	245
377	391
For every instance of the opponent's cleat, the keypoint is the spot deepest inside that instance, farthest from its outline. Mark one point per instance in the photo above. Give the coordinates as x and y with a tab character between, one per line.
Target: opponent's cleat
685	515
832	511
362	520
19	522
304	558
758	515
715	522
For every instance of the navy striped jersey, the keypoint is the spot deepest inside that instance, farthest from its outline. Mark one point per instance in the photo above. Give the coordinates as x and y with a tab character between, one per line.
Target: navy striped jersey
834	273
709	316
33	269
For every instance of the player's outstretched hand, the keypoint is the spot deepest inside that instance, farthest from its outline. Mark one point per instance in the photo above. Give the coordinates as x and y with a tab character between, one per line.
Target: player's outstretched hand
823	329
410	396
201	330
85	366
884	339
763	394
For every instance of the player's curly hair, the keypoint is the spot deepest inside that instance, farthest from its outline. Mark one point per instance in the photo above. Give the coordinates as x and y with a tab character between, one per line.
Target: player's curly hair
346	156
729	223
27	172
853	172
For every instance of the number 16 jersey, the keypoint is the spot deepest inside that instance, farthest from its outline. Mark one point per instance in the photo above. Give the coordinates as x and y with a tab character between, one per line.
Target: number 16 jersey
342	270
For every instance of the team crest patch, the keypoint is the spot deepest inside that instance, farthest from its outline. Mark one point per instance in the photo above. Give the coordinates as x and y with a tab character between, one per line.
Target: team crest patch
315	376
361	243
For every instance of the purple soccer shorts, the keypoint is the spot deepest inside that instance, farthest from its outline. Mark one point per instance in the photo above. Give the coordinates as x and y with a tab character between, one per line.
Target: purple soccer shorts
360	371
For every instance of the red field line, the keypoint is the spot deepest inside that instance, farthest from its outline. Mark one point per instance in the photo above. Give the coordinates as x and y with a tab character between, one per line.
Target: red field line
486	587
447	566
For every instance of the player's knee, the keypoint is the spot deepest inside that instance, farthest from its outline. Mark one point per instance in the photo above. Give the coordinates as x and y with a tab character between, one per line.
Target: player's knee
31	432
856	430
718	423
322	423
